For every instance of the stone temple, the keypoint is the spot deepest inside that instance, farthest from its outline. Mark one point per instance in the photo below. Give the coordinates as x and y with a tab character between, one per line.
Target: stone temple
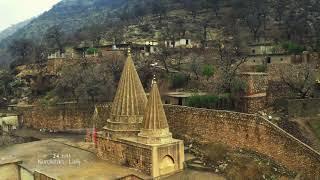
137	134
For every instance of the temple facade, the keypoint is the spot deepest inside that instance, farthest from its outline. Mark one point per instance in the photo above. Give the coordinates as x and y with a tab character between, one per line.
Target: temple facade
137	134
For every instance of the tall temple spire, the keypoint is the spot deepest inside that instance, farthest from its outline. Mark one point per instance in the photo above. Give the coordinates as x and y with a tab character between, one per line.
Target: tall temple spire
129	102
155	127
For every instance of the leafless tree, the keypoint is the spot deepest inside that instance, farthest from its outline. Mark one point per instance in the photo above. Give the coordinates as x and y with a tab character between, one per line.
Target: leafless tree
299	78
56	38
22	50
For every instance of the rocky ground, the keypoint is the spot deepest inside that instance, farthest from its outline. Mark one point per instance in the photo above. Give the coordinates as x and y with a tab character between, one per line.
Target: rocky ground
7	140
236	164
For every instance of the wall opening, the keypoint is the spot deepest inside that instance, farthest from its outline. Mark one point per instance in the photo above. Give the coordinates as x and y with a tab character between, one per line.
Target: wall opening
268	60
180	101
167	165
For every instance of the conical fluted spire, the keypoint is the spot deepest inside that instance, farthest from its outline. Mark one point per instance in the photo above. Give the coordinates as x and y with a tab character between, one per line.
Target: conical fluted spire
130	99
128	105
154	117
155	129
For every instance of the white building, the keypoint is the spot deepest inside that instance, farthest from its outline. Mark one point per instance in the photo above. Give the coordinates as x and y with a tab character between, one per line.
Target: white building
179	43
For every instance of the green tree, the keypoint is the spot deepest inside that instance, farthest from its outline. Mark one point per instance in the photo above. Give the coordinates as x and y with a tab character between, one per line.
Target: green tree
208	71
293	48
179	80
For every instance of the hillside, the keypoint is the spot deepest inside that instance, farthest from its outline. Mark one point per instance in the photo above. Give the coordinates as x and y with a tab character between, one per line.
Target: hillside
70	14
240	22
12	29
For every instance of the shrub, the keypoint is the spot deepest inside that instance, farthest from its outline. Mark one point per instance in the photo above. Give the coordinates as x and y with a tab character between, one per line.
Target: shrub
49	100
208	71
293	48
92	50
210	101
179	80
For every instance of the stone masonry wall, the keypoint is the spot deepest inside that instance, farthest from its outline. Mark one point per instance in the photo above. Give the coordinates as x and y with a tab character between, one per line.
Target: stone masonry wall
64	117
202	125
252	104
256	82
255	97
125	154
243	131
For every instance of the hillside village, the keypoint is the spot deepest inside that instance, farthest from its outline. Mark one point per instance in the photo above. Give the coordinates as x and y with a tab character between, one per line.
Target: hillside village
235	87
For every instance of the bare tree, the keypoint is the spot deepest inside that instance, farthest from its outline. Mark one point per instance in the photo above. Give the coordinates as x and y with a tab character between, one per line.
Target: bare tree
159	8
280	8
56	38
230	57
195	66
22	49
163	55
214	5
299	78
193	7
253	13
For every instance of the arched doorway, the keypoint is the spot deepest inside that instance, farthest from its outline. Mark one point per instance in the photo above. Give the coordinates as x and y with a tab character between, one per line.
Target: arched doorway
167	165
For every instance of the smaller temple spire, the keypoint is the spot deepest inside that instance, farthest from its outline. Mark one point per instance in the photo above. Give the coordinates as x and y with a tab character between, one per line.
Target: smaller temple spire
154	117
155	127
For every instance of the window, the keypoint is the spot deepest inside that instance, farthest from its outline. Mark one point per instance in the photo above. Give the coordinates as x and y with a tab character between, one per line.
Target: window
253	51
180	101
268	60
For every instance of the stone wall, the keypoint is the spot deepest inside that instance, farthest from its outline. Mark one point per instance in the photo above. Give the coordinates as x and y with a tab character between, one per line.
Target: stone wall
243	131
277	90
252	104
63	117
303	107
255	97
204	126
256	82
125	154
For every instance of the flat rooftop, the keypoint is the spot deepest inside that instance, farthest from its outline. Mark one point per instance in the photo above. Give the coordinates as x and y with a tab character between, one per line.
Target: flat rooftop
184	94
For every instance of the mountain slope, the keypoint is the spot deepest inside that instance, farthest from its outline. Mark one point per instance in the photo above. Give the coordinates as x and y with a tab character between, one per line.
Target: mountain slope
70	14
12	29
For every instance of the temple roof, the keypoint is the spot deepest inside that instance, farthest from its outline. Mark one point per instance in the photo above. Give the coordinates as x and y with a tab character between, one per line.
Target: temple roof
154	117
130	99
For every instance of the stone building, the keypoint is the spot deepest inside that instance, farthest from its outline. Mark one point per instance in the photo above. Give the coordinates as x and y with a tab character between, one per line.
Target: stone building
183	42
137	134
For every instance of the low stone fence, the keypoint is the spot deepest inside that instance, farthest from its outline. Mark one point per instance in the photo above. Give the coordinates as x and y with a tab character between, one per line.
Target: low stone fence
237	130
